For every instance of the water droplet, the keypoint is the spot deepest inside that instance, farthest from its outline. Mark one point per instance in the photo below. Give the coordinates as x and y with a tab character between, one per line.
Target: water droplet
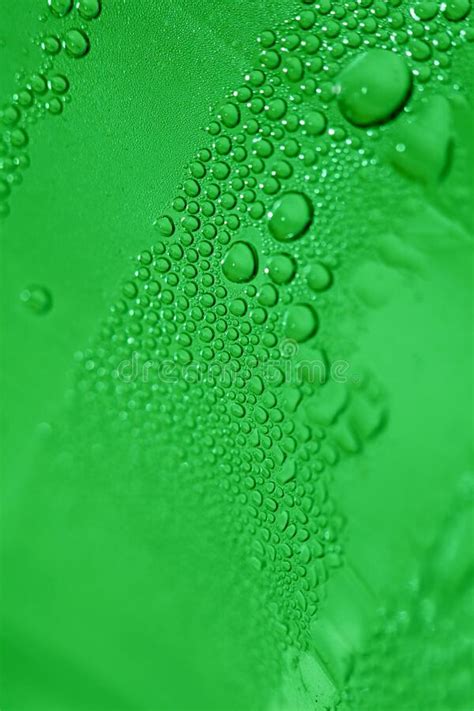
10	115
38	84
240	264
423	144
281	268
4	189
290	216
315	123
19	138
89	9
51	45
276	109
76	43
238	307
301	322
59	84
426	10
130	290
165	225
230	115
54	106
267	295
37	299
456	10
374	87
319	277
60	8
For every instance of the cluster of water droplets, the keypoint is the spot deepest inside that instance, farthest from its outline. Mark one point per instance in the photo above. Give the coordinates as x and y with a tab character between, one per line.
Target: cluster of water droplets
219	346
46	91
230	298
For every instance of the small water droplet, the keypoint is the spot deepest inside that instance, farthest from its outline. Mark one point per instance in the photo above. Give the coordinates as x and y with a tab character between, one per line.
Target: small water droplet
374	87
37	299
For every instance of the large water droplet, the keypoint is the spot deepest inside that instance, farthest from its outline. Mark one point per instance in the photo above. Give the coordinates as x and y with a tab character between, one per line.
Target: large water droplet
374	87
422	148
456	10
290	216
240	264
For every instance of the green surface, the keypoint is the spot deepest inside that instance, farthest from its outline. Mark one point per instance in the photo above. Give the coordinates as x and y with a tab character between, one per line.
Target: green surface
236	364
